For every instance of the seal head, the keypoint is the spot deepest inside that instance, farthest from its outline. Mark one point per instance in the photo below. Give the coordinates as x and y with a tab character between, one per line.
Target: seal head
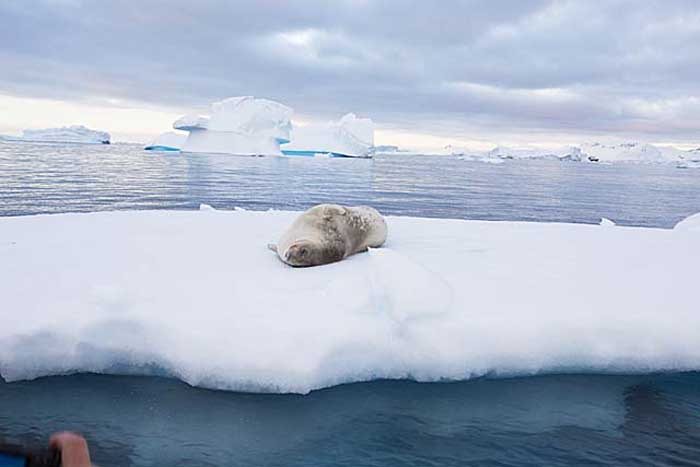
304	253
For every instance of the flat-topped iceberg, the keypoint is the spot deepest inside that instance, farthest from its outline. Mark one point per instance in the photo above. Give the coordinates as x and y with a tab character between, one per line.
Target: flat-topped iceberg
238	125
348	137
66	134
198	296
168	141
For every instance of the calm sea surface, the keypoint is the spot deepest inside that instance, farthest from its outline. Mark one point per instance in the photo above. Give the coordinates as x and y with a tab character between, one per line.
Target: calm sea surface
536	421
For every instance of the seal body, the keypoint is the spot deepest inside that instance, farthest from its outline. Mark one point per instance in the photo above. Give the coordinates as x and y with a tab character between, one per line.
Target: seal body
327	233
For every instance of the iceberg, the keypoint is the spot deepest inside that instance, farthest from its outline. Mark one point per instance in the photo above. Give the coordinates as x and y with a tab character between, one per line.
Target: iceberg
238	125
392	151
626	152
348	137
588	152
691	155
67	134
571	153
387	149
689	159
168	141
197	295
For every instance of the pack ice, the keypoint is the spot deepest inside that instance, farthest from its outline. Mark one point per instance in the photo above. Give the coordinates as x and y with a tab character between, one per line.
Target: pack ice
198	296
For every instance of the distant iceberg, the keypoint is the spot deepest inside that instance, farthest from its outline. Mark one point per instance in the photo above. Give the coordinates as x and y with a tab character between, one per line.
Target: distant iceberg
561	153
447	150
348	137
168	141
689	159
67	134
627	152
250	126
591	152
238	125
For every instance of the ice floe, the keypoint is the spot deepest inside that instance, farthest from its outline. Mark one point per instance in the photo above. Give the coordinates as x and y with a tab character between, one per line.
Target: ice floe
198	296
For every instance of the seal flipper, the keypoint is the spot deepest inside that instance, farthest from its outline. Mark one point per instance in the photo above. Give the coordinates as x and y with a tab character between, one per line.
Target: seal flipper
272	247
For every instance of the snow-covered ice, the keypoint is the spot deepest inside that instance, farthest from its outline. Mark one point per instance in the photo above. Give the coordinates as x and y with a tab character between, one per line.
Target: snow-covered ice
68	134
238	125
350	137
197	295
168	141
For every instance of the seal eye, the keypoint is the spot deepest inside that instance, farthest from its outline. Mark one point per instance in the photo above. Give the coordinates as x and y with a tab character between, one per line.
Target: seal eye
303	251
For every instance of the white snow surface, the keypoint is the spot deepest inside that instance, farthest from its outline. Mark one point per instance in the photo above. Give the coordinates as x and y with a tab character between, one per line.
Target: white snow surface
169	139
349	136
242	125
68	134
198	296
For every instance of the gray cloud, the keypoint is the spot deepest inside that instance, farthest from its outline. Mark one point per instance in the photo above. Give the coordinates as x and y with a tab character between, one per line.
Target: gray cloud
453	67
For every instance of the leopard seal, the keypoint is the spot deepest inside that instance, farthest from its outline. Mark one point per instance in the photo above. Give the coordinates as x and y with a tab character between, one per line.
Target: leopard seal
327	233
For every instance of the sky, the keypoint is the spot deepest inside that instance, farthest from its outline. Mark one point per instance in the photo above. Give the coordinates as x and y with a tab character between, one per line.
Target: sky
468	73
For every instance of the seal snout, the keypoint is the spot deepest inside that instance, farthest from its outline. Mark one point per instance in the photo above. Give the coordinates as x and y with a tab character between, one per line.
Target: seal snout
297	255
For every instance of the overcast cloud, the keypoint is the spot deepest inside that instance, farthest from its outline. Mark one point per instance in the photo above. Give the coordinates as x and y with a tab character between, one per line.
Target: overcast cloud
629	69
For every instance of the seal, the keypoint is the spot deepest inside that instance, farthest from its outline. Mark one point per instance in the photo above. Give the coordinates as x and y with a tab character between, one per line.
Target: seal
327	233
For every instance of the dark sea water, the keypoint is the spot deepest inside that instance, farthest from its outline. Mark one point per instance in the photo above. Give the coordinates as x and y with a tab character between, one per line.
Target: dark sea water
548	420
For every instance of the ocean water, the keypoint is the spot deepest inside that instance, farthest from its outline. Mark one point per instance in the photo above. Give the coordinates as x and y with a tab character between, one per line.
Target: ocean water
46	178
562	420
